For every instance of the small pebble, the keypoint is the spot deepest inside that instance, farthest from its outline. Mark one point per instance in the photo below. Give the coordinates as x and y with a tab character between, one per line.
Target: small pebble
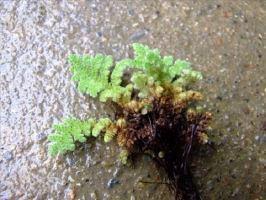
93	195
257	137
233	175
8	155
132	197
33	166
136	36
263	125
86	180
154	16
40	156
39	68
70	179
40	136
219	41
104	39
70	161
94	8
117	172
130	11
112	182
70	194
218	6
186	44
99	34
209	186
106	164
246	110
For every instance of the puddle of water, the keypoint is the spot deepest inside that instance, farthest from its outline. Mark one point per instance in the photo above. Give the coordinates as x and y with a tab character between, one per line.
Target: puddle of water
225	41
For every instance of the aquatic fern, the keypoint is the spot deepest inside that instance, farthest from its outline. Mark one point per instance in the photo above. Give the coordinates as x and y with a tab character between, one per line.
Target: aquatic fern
117	74
123	156
73	130
99	77
91	72
94	75
109	134
159	71
101	125
153	116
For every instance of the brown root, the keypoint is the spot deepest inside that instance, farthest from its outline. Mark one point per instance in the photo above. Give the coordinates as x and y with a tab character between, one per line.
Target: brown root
167	131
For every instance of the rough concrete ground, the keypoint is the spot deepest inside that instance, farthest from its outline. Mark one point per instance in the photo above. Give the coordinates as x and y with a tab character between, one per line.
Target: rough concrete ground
225	40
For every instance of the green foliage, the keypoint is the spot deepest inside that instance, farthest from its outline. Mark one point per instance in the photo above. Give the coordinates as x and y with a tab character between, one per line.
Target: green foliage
73	130
109	134
159	71
117	74
102	124
123	156
143	83
94	76
97	76
91	72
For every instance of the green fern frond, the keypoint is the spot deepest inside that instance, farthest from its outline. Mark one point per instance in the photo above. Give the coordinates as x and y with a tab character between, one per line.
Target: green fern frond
109	134
143	83
152	76
113	93
100	126
73	130
163	71
123	156
178	67
92	73
116	77
168	61
187	76
60	143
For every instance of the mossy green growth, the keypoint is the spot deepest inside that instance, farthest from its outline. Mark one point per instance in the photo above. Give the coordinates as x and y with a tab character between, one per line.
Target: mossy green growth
99	77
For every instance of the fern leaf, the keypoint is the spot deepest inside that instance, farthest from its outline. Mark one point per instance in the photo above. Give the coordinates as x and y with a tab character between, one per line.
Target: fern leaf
178	67
68	132
152	76
101	125
92	73
60	143
140	50
109	134
168	61
116	77
123	156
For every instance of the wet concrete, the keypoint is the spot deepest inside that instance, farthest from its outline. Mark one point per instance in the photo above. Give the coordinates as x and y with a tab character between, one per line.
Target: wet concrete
225	40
